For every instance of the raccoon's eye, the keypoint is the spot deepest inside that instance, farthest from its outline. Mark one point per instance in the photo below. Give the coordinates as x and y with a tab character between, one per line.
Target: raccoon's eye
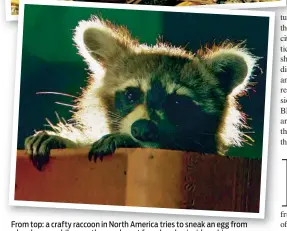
126	100
179	101
132	94
178	106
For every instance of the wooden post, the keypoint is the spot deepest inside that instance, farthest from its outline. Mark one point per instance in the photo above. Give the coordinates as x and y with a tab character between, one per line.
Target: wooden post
71	178
143	178
154	178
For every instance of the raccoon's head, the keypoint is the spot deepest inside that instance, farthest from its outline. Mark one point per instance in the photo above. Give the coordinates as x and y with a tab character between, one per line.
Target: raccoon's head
162	96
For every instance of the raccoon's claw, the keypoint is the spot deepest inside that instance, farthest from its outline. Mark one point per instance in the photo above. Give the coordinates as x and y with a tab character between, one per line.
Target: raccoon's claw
39	161
108	144
105	146
38	148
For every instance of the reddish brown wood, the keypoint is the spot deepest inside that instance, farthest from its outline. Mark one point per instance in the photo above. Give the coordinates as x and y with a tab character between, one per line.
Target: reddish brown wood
70	177
219	183
154	178
143	177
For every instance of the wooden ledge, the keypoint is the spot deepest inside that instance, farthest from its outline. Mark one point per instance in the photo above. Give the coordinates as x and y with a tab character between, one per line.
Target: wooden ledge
143	177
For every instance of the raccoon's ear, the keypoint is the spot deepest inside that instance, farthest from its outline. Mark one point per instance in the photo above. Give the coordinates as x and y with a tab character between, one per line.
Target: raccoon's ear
232	67
100	41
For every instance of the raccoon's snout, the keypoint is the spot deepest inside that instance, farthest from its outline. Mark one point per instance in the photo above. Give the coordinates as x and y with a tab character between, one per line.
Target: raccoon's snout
144	130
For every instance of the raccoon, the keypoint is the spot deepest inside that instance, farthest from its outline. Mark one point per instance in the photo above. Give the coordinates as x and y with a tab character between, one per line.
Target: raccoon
151	96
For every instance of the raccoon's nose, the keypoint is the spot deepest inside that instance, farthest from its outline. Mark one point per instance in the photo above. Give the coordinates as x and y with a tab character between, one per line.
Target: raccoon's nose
144	130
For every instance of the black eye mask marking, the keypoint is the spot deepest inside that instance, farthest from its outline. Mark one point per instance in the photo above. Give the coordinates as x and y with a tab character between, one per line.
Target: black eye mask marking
156	95
181	110
127	100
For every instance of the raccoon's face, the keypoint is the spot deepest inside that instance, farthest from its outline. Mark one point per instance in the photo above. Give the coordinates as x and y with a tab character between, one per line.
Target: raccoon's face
158	107
165	120
166	97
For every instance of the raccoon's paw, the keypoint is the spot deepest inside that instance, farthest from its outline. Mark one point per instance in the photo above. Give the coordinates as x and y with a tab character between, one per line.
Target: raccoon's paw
104	146
38	147
108	144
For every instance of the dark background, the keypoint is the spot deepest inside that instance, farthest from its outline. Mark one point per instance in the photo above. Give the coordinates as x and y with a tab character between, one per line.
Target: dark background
50	61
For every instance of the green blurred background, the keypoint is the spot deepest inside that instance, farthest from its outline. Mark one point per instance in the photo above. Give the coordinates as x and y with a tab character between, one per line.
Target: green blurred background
50	61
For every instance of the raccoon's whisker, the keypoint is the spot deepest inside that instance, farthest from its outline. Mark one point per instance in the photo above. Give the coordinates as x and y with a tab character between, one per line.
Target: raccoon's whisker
117	116
56	93
115	126
65	104
213	134
115	123
115	119
114	115
249	138
111	112
50	123
63	119
58	117
72	120
197	142
177	146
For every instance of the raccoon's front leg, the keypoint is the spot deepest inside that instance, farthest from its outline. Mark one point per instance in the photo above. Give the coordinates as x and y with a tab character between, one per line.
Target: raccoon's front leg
39	145
108	144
